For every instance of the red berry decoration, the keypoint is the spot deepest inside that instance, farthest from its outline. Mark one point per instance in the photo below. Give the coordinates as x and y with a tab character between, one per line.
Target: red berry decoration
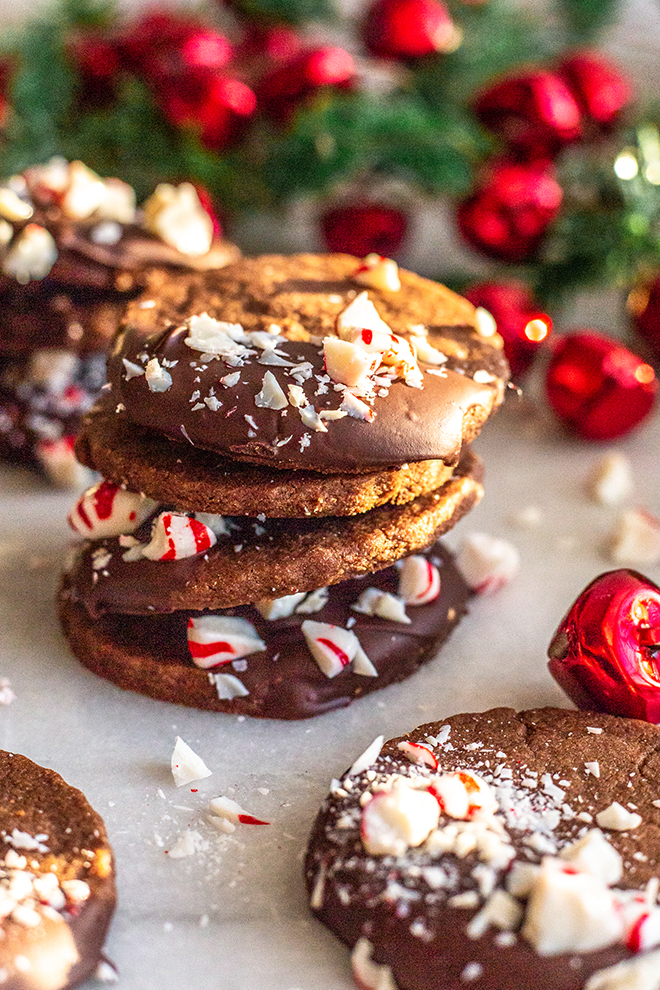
644	305
508	215
605	654
363	228
283	88
601	91
404	29
520	321
597	387
97	61
534	112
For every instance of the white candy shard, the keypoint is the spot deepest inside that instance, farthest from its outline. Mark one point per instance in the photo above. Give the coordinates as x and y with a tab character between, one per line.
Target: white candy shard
218	639
108	510
176	215
228	686
370	975
419	753
31	256
484	322
594	854
616	818
84	194
487	563
399	819
569	911
211	336
12	207
53	370
368	758
501	910
214	522
186	845
158	379
426	352
642	973
279	608
271	395
348	363
611	481
419	580
118	203
382	604
378	272
356	408
332	647
224	807
593	767
464	795
313	602
174	536
186	764
636	539
361	314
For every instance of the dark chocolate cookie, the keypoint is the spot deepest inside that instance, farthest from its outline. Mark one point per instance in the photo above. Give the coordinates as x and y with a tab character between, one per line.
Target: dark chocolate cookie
56	877
497	850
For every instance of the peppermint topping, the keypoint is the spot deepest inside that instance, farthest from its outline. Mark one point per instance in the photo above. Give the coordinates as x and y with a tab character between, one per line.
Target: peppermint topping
228	686
176	215
616	818
636	539
611	482
334	648
378	272
373	601
419	580
370	975
217	639
186	764
419	753
224	807
487	563
108	510
399	819
31	256
175	536
158	379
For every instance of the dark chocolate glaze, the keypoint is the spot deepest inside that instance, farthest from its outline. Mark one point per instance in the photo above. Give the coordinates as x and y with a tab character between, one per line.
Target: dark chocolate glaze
272	558
545	740
150	654
36	800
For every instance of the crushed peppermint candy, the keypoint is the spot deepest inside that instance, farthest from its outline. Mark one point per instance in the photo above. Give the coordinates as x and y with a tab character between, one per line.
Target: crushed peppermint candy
186	764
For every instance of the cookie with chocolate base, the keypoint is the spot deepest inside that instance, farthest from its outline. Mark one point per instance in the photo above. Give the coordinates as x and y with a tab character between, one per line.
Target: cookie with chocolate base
498	850
172	562
265	661
307	362
57	879
199	480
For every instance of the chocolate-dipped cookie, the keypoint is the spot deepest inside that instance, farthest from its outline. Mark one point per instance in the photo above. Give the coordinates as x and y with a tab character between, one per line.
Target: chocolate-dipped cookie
73	250
264	660
497	850
56	879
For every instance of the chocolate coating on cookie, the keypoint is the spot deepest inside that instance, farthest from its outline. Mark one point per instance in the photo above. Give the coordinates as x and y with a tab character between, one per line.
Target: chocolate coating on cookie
150	654
534	762
274	558
61	837
199	480
302	296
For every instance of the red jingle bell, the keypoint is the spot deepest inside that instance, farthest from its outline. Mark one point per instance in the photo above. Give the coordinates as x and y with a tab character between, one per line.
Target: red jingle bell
508	215
520	321
644	306
597	387
534	112
364	228
606	652
601	91
404	29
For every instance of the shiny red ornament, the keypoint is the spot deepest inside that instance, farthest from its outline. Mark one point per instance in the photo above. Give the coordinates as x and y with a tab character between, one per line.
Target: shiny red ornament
217	107
363	228
286	86
605	653
644	306
97	61
408	29
163	45
509	213
521	323
533	111
599	87
597	387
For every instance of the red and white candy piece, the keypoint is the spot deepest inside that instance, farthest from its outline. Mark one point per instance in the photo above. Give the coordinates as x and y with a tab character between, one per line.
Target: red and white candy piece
370	975
382	604
186	764
640	973
378	273
175	536
31	256
224	807
419	580
60	464
463	795
361	314
594	854
487	563
218	639
334	648
399	819
108	510
347	363
419	753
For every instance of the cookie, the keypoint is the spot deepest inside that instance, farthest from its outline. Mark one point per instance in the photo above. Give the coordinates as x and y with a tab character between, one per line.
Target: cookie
203	481
253	559
496	850
292	363
57	879
281	678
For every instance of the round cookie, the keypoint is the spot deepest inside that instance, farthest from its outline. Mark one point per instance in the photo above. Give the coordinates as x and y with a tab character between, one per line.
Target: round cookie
498	850
57	879
261	377
203	481
151	654
269	558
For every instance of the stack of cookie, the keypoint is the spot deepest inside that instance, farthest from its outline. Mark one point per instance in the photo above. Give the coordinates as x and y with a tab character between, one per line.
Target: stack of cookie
282	444
73	250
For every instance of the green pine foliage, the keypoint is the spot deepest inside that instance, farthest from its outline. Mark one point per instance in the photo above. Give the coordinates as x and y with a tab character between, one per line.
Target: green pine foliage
295	12
585	18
